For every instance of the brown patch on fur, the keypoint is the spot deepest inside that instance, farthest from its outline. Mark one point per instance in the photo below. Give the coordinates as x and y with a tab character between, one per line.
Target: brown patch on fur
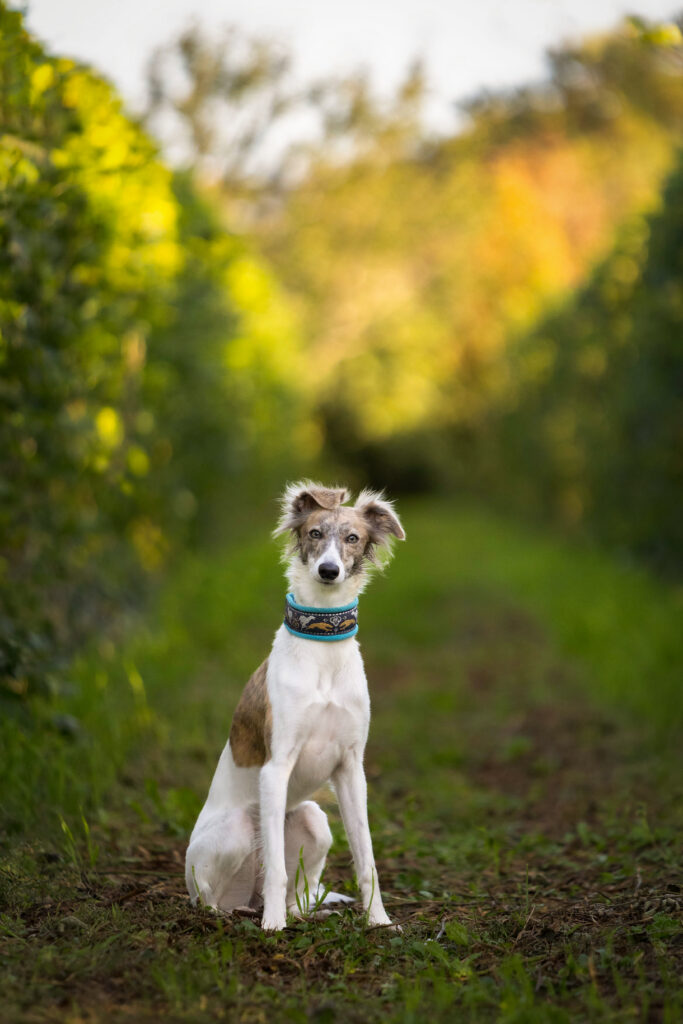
336	524
299	500
325	497
252	723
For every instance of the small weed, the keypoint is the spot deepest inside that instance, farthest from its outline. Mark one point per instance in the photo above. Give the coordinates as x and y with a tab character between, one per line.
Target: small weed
74	849
303	901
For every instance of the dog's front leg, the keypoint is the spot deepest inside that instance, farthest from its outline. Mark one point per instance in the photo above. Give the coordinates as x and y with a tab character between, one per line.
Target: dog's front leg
351	790
273	800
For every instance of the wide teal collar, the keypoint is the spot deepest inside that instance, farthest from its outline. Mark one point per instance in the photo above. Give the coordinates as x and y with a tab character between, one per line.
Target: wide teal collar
321	623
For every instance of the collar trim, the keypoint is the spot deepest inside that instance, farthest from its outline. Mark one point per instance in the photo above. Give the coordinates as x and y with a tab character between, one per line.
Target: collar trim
321	623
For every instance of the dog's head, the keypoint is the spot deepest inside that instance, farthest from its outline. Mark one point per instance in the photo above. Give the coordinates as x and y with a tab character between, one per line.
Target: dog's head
334	540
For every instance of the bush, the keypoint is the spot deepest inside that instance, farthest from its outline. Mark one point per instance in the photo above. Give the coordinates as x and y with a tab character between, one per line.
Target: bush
147	359
594	435
87	247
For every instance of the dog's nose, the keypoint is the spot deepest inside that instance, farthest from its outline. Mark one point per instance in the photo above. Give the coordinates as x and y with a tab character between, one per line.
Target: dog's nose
328	571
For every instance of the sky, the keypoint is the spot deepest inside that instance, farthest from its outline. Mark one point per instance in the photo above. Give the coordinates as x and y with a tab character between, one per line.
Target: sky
467	45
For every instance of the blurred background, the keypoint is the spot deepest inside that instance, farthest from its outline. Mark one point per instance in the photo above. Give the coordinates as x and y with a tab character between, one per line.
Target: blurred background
427	249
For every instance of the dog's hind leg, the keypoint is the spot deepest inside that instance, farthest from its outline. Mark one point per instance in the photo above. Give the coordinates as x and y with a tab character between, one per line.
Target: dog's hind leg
220	867
307	840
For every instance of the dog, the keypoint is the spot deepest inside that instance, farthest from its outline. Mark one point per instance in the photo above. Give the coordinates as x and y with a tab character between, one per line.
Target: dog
302	722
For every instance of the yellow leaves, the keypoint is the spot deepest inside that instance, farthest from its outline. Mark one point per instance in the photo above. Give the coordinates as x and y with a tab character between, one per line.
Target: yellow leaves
42	77
664	34
15	164
109	427
416	283
115	164
530	250
266	377
374	295
668	34
267	341
137	460
71	84
248	283
398	386
110	434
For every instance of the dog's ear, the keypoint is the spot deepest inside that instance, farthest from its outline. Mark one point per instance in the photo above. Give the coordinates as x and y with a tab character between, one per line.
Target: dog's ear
299	500
380	518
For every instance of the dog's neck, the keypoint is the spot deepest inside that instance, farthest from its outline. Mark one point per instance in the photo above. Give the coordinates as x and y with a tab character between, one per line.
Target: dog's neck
308	591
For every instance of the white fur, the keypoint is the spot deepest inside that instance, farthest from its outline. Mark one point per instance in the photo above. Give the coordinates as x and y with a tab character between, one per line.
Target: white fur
331	556
258	822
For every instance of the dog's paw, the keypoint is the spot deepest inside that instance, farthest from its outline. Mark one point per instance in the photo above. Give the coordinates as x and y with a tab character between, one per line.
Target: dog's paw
384	922
273	923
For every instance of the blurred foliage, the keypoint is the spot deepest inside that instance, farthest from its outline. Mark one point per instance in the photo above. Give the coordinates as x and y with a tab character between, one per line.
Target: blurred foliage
405	302
225	373
594	431
88	248
418	263
423	266
146	358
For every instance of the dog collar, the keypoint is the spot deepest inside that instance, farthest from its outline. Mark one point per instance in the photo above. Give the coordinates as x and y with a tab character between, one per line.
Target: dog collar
321	623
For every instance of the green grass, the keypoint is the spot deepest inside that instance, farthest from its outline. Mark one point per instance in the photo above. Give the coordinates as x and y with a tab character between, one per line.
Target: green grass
524	799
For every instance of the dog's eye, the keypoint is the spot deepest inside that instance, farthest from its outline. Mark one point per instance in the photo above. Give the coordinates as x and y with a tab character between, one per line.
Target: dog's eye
315	534
352	538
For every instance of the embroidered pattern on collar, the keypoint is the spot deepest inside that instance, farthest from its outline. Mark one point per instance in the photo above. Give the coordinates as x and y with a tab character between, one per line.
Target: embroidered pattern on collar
321	623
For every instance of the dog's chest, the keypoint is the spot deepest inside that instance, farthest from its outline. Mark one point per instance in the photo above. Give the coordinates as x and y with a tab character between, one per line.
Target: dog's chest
325	706
331	730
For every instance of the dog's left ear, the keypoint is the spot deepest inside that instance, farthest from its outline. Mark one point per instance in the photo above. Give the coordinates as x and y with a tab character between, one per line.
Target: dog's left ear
380	518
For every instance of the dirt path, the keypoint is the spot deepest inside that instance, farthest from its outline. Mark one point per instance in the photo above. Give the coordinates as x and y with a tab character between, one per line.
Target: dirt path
525	842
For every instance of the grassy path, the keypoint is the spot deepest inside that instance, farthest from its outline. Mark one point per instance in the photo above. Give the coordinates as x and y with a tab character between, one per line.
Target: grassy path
525	801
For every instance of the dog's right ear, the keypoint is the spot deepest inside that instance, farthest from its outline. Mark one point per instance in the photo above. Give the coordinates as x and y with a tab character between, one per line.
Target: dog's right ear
299	500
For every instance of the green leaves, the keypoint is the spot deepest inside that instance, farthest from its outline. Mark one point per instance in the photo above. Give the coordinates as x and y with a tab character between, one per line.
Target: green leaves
147	360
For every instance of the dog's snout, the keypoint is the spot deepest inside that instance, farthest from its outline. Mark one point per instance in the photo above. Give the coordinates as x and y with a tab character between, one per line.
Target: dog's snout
328	571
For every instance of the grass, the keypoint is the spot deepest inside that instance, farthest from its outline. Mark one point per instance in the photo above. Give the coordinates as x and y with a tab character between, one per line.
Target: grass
524	799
